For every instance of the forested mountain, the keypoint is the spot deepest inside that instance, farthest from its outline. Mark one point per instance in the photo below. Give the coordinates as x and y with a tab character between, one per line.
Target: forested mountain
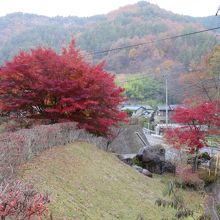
132	24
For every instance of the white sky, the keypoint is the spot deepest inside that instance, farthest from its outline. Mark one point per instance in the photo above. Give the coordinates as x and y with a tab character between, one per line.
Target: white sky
93	7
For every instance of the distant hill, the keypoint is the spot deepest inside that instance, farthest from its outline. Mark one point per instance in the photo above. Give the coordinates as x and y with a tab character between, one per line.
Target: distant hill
132	24
88	183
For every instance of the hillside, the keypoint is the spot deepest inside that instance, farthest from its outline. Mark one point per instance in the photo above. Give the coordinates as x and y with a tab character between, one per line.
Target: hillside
132	24
88	183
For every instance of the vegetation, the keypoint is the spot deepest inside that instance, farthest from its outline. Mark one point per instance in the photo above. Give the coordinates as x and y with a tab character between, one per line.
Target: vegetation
207	178
144	89
213	62
198	121
134	24
19	201
218	208
130	25
86	182
176	201
51	84
45	85
203	76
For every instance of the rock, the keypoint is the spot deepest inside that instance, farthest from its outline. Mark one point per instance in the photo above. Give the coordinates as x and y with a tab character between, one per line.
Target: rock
168	167
147	173
153	158
139	169
143	171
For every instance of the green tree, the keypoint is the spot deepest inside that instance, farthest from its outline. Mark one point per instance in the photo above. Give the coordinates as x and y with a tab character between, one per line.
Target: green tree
142	89
213	61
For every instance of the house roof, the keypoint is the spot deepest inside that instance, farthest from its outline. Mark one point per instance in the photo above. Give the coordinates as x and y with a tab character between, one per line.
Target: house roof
136	107
170	107
130	107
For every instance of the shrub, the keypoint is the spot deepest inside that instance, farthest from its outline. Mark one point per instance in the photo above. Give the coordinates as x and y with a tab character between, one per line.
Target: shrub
207	178
176	202
205	217
21	201
137	162
218	208
18	147
186	179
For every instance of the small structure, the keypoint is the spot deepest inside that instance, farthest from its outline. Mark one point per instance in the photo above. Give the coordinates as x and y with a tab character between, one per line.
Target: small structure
159	128
145	111
160	114
127	142
139	110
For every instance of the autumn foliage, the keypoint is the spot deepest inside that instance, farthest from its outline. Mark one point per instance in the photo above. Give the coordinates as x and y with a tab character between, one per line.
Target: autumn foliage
197	121
20	201
42	84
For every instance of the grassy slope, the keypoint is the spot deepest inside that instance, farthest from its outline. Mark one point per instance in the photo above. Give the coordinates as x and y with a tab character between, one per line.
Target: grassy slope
87	183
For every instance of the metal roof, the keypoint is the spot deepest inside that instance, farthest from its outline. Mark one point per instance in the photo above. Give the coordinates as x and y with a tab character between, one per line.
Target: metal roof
170	107
136	107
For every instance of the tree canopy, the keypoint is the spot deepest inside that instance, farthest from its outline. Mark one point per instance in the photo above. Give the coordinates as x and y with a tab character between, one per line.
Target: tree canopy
144	89
46	85
197	121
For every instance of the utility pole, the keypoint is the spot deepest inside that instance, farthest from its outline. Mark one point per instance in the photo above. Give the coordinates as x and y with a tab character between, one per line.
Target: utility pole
166	101
166	91
217	11
218	88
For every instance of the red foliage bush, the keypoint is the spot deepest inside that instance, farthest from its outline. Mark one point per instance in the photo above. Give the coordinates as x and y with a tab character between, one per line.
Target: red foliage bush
21	201
61	87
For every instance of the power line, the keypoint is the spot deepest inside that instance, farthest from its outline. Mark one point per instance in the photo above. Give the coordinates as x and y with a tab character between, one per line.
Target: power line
198	85
135	45
145	76
152	41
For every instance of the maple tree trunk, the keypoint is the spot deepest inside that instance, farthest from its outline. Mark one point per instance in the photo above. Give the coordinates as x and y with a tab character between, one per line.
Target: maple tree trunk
195	162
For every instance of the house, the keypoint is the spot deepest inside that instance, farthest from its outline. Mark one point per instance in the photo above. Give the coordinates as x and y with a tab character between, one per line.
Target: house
160	114
145	111
160	128
130	107
139	110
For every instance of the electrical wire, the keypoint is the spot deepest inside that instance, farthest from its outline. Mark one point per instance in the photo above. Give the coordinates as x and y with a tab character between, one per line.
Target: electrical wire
152	41
137	45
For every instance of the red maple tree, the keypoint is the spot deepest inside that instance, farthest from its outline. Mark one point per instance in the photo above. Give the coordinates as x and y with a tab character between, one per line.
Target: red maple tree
197	122
42	84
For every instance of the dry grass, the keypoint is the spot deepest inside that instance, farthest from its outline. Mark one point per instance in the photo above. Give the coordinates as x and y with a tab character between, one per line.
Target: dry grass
87	183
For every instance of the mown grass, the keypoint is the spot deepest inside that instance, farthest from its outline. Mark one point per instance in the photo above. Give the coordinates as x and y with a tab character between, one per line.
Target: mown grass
87	183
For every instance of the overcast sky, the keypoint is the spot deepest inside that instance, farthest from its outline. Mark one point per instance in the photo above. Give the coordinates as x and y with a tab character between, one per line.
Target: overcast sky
93	7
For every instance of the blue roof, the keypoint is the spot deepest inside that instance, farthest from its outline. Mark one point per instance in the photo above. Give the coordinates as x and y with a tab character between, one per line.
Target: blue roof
135	107
170	107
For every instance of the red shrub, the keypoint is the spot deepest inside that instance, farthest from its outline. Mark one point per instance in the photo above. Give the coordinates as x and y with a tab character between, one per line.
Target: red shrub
21	201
